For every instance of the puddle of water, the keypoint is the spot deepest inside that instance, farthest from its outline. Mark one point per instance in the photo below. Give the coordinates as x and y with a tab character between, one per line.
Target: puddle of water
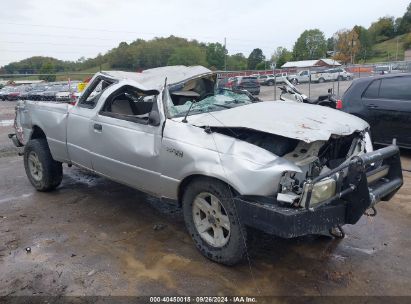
7	199
6	122
363	250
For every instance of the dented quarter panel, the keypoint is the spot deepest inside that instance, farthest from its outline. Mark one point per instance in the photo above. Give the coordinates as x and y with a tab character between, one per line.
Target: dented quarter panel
52	119
250	170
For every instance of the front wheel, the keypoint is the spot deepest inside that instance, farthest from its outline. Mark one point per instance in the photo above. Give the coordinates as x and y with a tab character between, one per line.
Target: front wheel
294	81
212	221
321	80
43	171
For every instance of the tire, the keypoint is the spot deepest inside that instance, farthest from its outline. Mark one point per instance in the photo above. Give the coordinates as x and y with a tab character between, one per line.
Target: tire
230	247
44	173
321	80
294	81
270	83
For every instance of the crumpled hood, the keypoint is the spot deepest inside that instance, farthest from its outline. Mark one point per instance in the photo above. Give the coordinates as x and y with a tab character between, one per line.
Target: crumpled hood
301	121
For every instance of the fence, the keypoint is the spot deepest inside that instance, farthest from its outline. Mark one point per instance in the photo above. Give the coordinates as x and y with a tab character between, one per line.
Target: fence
309	87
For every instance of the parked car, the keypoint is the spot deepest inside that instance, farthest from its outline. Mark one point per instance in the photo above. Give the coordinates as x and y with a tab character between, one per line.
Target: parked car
300	77
286	168
381	70
15	92
67	94
248	83
225	82
279	77
37	92
336	74
50	93
4	92
385	103
340	74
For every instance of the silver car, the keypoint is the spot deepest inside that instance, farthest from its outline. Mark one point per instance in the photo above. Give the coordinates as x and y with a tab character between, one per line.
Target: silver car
230	161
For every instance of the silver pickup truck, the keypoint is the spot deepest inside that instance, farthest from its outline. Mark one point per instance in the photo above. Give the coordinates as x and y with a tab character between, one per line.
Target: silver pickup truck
229	160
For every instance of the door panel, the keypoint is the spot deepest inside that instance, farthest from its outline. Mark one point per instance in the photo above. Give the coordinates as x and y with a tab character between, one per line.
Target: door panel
127	151
392	110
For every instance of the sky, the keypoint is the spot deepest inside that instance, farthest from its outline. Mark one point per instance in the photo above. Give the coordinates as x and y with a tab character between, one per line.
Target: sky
72	29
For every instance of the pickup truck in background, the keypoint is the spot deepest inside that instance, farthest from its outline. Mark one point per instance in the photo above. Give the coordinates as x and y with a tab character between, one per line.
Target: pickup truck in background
334	74
230	161
301	77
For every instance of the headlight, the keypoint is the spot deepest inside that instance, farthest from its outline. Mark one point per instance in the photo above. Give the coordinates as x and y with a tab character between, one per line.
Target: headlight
321	191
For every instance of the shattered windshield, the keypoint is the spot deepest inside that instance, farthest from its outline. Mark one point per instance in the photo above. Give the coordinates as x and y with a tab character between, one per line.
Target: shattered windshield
203	95
219	100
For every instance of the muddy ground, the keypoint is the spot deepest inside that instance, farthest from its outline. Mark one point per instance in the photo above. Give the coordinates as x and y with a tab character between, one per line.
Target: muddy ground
96	237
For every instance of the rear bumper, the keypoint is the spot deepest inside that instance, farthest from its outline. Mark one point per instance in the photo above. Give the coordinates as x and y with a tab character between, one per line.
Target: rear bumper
360	190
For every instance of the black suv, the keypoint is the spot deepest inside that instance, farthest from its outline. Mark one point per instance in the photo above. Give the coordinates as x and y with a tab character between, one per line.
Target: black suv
248	83
385	103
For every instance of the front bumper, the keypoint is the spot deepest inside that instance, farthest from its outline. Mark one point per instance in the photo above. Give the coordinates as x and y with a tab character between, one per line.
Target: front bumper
358	191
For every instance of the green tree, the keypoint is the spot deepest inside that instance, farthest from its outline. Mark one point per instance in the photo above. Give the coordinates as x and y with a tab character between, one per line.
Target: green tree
383	29
403	25
256	56
281	55
310	45
236	62
190	55
47	69
330	44
121	58
365	50
215	55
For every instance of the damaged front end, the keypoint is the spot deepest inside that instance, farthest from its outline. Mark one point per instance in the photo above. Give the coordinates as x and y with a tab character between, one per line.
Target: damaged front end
339	180
316	160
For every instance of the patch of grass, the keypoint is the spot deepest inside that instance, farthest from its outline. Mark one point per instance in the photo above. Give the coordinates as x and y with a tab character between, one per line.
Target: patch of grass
387	50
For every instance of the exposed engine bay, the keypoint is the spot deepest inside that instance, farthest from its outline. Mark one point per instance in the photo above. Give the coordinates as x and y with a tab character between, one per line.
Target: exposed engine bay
313	158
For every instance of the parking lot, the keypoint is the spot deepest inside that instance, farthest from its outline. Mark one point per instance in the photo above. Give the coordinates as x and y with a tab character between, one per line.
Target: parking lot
93	236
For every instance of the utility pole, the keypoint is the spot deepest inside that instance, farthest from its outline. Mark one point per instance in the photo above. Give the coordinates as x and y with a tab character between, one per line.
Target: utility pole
225	54
273	66
396	55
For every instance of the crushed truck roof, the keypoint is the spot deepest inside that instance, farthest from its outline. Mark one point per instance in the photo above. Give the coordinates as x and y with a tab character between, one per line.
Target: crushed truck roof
153	79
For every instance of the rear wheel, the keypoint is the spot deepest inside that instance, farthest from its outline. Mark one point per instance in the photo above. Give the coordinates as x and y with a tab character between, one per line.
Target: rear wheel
43	171
212	221
321	80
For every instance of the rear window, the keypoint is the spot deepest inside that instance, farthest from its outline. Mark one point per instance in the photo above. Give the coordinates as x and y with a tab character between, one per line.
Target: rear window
249	80
396	88
373	89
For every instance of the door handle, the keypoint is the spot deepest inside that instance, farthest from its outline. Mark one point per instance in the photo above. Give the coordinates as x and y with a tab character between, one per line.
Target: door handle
98	127
372	106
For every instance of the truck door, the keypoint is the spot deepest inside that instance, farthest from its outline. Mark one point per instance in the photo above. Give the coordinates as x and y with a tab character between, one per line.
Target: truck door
304	76
79	129
126	140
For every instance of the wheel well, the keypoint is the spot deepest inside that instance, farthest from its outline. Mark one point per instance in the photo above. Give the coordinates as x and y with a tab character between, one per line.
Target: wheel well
37	133
187	180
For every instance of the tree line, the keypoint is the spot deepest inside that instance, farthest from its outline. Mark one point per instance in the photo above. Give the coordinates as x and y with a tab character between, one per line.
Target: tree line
347	46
